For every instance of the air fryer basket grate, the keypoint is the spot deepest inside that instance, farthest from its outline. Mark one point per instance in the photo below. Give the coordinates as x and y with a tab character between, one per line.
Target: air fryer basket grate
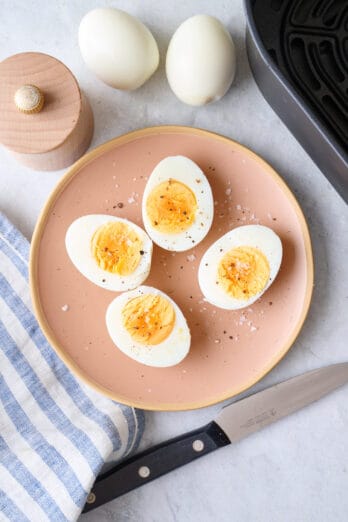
308	41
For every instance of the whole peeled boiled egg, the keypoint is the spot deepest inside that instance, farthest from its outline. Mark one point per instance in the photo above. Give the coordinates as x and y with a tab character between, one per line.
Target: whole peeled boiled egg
177	205
239	267
111	252
201	60
118	48
148	326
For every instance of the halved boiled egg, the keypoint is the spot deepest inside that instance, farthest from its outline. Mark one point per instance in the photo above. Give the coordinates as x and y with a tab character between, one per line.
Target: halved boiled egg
111	252
178	206
149	327
239	267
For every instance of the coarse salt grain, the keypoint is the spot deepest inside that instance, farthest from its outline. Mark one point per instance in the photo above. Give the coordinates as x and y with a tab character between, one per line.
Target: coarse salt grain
228	191
239	207
65	308
253	329
191	257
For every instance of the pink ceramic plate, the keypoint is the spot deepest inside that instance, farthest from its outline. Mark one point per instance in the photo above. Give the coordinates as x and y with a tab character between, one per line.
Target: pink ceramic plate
230	351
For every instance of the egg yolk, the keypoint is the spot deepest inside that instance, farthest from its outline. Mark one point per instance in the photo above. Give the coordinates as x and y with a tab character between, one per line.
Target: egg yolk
171	207
243	272
149	319
117	248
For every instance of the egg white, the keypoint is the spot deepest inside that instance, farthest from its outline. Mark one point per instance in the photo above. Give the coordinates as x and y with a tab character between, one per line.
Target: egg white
201	60
184	170
169	352
256	236
78	245
117	47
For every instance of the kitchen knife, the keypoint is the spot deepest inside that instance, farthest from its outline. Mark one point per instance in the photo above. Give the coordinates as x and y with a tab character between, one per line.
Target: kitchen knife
233	423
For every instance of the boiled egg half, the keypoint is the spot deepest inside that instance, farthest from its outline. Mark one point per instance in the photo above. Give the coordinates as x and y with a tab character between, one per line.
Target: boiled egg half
111	252
149	327
239	267
177	206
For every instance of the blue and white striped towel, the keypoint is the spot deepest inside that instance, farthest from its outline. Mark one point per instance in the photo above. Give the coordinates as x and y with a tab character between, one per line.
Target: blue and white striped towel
55	433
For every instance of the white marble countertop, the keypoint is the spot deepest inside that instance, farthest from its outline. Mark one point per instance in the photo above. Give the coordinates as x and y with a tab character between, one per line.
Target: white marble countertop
297	469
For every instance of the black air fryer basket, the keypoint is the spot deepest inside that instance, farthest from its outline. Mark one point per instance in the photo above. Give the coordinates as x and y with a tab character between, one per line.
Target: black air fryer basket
298	52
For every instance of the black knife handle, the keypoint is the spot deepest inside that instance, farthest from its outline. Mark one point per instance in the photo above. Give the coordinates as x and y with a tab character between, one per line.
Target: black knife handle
154	462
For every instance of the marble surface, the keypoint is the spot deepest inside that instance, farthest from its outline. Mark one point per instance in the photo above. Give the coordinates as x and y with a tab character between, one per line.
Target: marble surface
297	469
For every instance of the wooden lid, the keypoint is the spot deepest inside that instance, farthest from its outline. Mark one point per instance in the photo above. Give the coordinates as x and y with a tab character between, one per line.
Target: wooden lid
37	132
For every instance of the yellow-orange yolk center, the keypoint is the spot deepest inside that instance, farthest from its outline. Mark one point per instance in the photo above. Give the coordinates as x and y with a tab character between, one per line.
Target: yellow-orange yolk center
149	319
117	248
243	272
171	207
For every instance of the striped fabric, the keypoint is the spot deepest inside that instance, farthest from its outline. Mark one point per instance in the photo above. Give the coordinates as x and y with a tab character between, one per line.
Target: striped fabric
55	433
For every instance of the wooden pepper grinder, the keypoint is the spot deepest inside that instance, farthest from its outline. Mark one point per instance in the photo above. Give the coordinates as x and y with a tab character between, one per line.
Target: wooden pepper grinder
45	120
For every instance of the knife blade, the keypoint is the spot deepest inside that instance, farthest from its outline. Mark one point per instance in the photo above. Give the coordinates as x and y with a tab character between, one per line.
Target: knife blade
234	422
